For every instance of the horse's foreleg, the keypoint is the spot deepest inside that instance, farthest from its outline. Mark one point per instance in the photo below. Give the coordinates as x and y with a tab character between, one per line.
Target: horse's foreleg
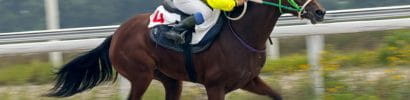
259	87
215	92
172	87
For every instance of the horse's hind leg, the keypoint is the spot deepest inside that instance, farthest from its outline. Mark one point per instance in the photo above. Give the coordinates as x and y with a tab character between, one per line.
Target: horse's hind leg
172	87
259	87
139	86
139	72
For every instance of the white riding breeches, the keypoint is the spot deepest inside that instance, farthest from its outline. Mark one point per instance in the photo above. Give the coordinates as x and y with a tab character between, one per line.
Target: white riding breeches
210	16
193	6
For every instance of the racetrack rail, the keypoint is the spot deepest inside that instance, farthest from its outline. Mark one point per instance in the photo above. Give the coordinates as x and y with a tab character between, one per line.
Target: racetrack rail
364	14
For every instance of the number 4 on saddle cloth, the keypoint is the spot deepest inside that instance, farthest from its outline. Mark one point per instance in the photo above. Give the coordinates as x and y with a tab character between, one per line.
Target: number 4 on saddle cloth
197	40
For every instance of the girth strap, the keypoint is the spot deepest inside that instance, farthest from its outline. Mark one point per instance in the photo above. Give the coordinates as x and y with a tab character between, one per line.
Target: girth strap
189	64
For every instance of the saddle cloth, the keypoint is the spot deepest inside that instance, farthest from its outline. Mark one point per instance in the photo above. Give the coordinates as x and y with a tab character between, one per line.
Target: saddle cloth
197	40
162	16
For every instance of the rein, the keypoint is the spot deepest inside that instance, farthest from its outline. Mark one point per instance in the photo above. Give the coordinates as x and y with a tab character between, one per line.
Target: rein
245	7
243	42
294	7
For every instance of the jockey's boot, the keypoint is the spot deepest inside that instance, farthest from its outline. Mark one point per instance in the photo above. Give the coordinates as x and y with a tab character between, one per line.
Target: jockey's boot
177	33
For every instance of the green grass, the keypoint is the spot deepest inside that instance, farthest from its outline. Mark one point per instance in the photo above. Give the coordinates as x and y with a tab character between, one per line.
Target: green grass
154	92
292	63
394	51
34	92
392	85
34	73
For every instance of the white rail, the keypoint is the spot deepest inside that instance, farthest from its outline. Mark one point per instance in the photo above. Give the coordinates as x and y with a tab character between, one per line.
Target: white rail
341	27
103	31
281	31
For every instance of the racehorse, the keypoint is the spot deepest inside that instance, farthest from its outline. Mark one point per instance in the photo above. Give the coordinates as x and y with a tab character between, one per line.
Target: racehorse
232	62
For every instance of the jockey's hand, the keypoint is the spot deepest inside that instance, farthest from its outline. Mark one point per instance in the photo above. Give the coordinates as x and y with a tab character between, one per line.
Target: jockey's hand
240	2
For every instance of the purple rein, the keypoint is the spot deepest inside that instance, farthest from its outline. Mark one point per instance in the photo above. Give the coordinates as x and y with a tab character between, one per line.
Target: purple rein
243	41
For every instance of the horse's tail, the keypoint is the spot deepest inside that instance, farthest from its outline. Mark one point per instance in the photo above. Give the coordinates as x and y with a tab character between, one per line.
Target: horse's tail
84	72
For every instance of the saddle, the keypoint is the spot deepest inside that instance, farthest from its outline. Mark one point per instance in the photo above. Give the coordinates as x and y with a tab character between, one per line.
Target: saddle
167	15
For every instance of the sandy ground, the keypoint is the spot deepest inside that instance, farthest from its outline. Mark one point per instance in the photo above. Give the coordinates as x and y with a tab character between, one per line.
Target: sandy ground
112	91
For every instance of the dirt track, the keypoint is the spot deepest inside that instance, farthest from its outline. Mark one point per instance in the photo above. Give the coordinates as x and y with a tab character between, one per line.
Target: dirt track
287	83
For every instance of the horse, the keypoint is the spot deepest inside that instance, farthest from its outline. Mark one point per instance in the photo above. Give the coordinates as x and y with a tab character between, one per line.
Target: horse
232	62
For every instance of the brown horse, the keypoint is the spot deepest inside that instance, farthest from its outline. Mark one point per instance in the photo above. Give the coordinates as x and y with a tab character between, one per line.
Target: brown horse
226	66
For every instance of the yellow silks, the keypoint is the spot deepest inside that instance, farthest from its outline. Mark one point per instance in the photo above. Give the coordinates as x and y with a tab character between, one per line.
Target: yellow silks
225	5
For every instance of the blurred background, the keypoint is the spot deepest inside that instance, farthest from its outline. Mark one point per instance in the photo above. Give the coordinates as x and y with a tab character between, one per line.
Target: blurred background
371	65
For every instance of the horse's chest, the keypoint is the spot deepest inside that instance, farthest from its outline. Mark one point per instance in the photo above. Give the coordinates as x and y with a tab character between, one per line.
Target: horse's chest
251	63
244	70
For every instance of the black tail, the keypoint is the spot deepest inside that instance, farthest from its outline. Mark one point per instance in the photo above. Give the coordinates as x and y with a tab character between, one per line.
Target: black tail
84	72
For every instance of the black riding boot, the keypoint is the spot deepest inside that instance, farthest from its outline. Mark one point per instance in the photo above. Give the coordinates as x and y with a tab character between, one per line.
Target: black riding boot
178	32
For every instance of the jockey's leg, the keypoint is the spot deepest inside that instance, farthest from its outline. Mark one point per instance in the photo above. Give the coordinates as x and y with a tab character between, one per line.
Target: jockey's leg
199	11
193	6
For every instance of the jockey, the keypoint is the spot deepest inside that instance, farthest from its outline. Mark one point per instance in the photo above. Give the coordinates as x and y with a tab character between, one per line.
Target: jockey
200	12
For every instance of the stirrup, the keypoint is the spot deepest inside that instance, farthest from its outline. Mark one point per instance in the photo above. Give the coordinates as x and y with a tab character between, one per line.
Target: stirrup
178	37
177	33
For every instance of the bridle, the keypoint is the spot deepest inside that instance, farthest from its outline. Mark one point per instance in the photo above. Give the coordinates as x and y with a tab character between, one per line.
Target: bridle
294	7
302	9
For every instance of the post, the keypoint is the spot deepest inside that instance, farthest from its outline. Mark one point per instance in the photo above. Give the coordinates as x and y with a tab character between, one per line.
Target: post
52	15
315	45
272	50
53	22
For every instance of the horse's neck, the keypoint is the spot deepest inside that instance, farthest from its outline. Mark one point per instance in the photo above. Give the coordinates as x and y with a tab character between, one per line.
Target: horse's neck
255	27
